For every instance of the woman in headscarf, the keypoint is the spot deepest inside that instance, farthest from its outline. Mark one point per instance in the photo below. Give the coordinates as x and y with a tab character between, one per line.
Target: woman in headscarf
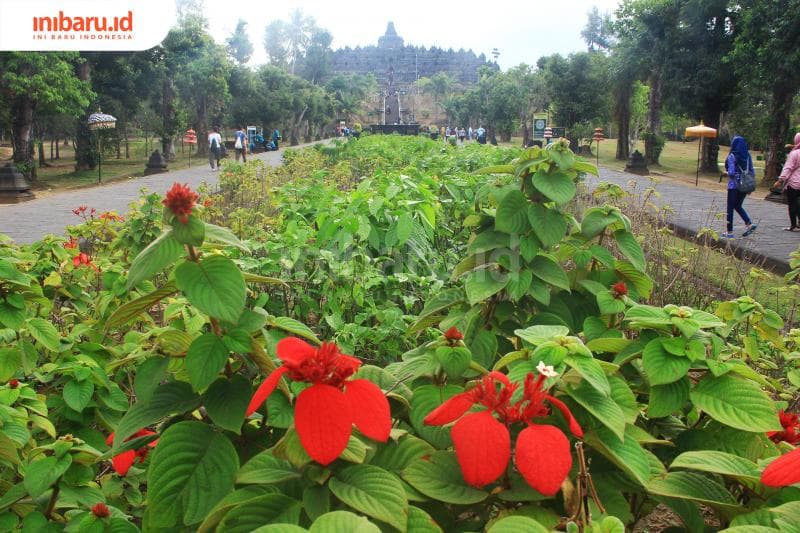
790	178
737	162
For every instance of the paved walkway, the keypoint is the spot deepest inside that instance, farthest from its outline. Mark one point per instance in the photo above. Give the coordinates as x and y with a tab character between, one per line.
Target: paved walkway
695	208
29	221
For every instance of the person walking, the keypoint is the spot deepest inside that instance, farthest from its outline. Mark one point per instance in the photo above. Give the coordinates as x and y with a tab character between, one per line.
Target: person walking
214	148
790	180
737	163
241	144
276	137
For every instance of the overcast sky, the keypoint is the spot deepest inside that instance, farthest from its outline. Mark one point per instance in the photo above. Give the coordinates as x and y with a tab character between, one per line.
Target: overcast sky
522	30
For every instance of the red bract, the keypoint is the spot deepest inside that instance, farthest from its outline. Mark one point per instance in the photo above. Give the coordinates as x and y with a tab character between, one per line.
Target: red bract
13	383
791	429
80	210
325	412
453	334
482	440
180	200
111	216
101	510
123	461
783	471
71	243
83	259
619	289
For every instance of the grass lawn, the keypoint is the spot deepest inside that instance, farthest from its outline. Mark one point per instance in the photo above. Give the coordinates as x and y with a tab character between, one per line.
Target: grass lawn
60	174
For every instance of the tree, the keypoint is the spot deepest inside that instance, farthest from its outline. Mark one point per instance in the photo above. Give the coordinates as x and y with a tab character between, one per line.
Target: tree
298	33
32	82
766	55
598	30
275	44
316	64
239	46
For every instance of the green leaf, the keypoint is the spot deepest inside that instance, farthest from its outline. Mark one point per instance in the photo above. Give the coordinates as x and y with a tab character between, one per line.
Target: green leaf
516	524
438	476
549	225
660	366
487	241
519	283
44	332
222	235
192	469
78	394
630	248
557	186
405	226
595	220
591	371
214	285
292	326
694	487
627	454
226	402
454	360
604	409
130	310
238	340
537	335
495	169
736	402
10	274
396	456
373	491
266	469
191	233
205	358
342	522
484	283
41	475
666	399
267	509
510	217
548	270
421	522
715	462
158	255
608	304
426	399
175	397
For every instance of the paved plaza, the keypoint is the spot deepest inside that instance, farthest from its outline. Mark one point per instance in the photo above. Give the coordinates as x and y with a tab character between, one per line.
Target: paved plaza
693	209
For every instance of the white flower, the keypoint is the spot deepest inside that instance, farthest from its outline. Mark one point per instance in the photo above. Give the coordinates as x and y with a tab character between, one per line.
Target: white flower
546	370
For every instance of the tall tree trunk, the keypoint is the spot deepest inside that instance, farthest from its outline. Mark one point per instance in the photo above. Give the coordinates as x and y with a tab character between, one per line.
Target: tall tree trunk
85	149
778	129
42	162
168	116
52	141
710	155
294	137
58	155
127	144
21	127
526	133
202	127
622	112
653	118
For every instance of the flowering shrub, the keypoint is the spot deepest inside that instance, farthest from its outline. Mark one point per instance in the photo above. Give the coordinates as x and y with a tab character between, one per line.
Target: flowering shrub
507	372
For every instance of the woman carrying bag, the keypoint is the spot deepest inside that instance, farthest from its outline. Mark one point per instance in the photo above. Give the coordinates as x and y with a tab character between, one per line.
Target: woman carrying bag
739	167
790	179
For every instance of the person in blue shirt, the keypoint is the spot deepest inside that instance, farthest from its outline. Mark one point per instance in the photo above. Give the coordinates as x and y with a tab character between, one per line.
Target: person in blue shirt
738	160
240	144
276	136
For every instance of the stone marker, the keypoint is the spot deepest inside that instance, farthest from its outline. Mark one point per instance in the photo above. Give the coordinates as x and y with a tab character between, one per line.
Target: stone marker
637	165
156	164
14	187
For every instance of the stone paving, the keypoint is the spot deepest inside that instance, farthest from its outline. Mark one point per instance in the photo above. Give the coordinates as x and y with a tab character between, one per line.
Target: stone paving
29	221
696	208
693	209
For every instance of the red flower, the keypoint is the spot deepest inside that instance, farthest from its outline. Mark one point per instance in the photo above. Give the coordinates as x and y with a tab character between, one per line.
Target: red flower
80	210
13	383
791	429
783	471
325	412
72	243
100	510
123	461
83	259
208	202
453	335
619	289
111	216
180	200
482	440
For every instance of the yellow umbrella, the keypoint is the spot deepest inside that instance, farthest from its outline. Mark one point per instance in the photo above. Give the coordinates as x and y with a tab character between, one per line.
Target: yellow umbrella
701	131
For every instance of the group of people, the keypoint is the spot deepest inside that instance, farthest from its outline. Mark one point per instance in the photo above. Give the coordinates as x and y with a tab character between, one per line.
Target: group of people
740	172
241	144
464	134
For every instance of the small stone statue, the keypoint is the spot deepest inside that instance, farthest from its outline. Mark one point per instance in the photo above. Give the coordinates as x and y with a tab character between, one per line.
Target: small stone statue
636	164
156	164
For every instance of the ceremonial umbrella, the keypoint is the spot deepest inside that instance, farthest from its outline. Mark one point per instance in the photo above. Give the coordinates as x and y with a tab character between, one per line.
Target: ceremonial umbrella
701	131
100	121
